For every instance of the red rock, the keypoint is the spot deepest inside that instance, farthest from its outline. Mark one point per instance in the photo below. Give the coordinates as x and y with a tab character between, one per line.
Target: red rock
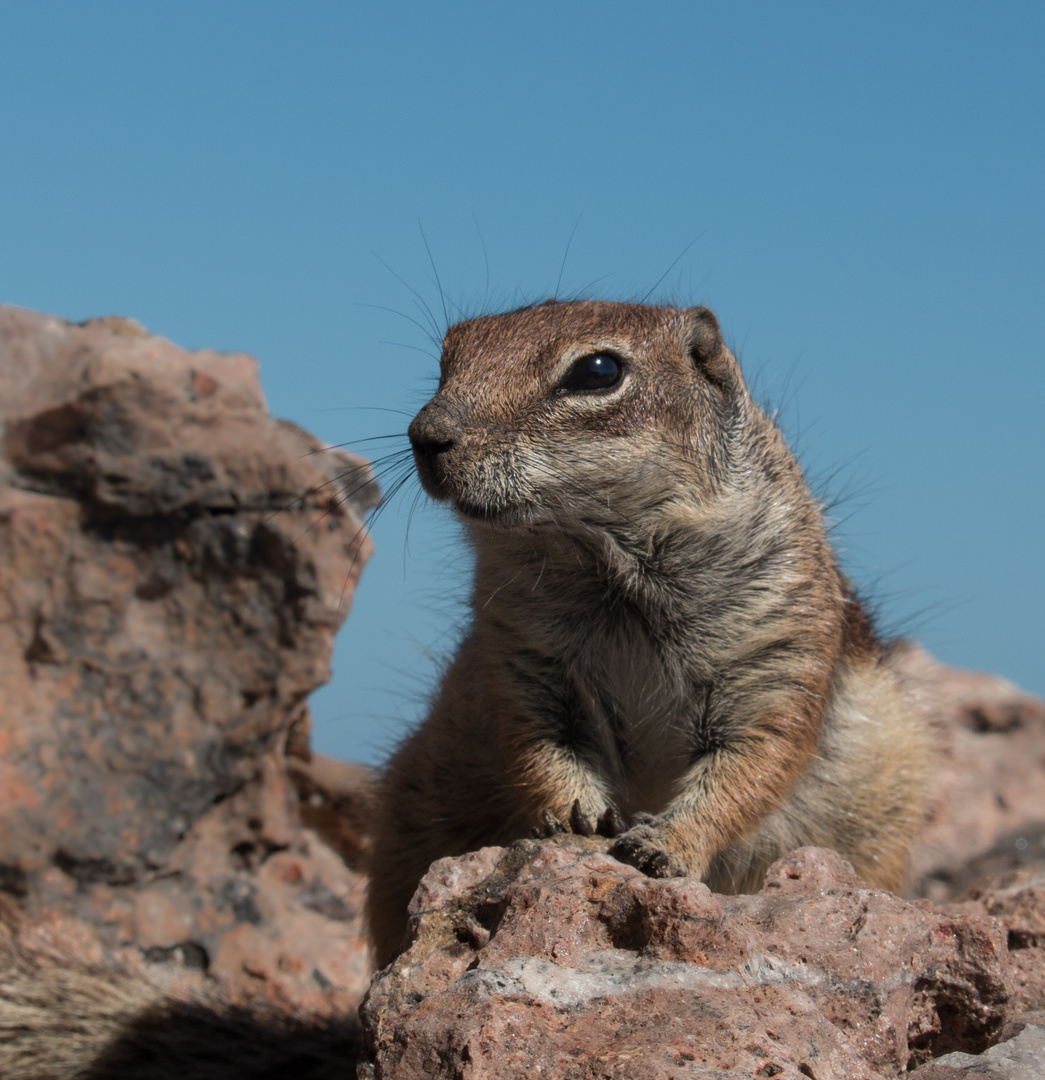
1017	901
335	798
1019	1058
174	564
988	812
551	958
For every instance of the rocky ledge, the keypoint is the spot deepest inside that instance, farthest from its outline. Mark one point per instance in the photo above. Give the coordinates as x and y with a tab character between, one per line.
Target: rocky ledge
550	958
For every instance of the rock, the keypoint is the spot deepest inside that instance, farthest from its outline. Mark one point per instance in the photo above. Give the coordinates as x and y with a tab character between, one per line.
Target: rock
550	958
988	814
1020	1058
174	564
335	803
1017	901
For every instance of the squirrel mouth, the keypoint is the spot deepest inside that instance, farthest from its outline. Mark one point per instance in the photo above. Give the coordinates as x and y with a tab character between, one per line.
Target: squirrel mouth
499	515
488	514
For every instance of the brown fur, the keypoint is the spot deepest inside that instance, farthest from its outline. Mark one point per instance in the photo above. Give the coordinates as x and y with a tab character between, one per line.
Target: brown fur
658	621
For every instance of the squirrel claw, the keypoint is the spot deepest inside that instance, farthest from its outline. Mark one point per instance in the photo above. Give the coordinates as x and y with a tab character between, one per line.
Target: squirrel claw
638	851
580	823
610	823
547	825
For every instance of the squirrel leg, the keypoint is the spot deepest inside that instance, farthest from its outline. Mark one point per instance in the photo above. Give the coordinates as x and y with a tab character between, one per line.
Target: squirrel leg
563	792
725	793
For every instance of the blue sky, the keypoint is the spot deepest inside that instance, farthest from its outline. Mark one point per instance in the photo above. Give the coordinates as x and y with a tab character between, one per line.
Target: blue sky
857	191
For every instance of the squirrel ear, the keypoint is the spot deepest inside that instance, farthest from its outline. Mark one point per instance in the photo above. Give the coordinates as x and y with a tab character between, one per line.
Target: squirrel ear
702	340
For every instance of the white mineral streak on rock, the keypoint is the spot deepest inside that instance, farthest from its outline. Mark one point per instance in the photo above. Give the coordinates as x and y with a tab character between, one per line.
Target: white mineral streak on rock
615	972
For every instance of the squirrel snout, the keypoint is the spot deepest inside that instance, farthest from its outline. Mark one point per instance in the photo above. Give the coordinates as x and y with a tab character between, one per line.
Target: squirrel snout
432	435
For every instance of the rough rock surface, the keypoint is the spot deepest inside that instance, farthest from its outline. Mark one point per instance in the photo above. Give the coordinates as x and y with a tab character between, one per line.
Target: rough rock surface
551	958
1019	1058
988	815
1017	900
174	564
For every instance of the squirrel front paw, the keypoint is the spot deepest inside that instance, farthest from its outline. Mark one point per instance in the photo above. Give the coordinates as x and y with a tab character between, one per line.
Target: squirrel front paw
643	847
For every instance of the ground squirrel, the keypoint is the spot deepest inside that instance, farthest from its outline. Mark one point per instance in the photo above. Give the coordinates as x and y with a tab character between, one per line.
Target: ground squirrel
661	639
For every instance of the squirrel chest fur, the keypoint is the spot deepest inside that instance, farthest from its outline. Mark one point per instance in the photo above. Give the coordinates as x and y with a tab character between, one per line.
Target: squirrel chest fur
661	639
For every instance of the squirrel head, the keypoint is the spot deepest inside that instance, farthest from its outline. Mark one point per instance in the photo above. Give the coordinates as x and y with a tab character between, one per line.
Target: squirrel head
580	412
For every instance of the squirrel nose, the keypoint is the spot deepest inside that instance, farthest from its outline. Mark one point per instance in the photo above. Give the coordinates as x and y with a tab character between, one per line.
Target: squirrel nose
431	433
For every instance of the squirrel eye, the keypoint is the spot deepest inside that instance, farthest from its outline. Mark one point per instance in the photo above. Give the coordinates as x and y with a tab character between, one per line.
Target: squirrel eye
600	371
